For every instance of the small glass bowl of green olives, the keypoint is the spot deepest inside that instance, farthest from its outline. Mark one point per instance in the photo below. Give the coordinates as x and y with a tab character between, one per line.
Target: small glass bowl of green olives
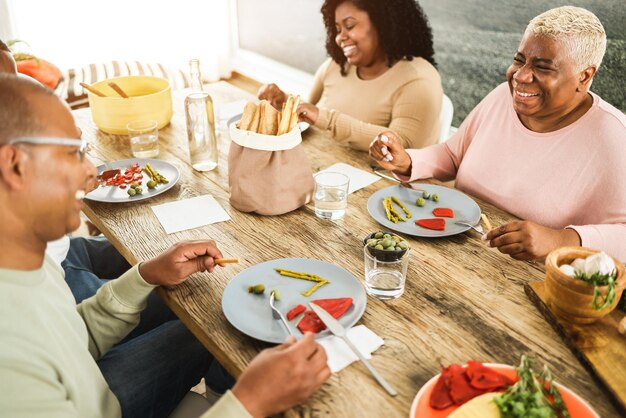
386	246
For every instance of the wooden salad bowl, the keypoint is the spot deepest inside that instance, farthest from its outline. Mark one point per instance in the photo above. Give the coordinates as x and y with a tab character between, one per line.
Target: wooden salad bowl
570	298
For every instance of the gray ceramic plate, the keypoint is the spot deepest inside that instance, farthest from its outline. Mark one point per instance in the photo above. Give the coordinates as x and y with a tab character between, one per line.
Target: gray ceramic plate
113	194
252	315
302	125
463	206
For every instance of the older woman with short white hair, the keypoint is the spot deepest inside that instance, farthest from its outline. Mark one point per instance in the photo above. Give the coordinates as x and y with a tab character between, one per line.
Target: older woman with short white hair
542	146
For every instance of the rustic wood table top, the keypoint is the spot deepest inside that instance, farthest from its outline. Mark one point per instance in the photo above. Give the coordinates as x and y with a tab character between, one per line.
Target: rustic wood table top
462	301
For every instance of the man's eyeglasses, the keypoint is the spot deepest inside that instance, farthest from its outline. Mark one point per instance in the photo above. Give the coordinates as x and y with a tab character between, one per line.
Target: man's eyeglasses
82	144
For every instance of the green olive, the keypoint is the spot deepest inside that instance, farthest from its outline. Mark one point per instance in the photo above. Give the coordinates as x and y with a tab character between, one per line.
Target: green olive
420	201
134	185
396	238
257	289
398	248
379	247
276	294
131	192
425	194
378	235
403	245
390	248
387	236
435	197
386	242
138	189
151	184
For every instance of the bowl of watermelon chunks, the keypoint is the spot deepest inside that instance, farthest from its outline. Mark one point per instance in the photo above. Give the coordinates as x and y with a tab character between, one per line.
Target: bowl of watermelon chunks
310	322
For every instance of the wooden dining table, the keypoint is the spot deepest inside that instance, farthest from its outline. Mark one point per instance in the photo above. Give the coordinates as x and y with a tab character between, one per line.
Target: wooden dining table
463	300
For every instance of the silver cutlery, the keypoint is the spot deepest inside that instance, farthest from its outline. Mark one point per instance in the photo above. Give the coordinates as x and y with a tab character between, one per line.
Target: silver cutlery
476	227
402	183
337	329
278	315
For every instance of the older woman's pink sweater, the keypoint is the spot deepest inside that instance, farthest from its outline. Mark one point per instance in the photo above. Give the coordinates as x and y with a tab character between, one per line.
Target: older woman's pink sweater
574	177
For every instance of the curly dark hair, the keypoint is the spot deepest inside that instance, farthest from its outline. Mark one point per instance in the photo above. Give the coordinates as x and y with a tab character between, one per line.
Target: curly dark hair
402	26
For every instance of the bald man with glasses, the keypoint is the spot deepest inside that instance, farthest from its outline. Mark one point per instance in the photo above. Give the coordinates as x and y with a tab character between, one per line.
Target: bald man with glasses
59	359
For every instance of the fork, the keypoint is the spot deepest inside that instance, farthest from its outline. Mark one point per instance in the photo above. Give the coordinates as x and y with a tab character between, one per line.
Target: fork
277	314
402	183
476	227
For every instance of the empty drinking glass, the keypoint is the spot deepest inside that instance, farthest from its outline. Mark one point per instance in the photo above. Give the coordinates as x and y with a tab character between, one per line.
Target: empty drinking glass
331	195
385	279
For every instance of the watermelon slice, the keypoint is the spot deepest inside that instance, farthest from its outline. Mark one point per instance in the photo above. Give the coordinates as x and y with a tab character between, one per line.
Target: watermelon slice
295	312
310	322
437	224
443	212
483	377
440	397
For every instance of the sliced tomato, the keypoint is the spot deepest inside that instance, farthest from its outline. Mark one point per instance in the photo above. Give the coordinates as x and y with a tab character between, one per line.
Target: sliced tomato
437	224
443	212
295	312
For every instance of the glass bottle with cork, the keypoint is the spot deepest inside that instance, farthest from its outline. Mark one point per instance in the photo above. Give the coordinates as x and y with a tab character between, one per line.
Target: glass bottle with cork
200	117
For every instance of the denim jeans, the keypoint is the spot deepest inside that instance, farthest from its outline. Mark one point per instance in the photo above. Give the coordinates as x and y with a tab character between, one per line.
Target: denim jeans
152	369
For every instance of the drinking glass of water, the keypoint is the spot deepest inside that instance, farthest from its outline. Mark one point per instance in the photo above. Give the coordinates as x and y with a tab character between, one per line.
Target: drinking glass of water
331	195
144	138
385	279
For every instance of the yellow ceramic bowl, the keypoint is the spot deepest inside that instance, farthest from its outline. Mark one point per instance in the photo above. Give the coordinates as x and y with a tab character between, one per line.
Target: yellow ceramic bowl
149	98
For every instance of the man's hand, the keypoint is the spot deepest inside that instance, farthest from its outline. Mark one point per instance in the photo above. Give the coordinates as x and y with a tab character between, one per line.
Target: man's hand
272	94
178	262
525	240
387	150
282	377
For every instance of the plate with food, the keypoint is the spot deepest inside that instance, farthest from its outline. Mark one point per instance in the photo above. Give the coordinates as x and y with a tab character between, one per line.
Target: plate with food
430	211
495	390
132	180
298	282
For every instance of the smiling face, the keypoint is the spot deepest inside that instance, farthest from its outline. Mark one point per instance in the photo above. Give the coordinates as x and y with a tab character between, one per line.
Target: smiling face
357	36
54	173
544	83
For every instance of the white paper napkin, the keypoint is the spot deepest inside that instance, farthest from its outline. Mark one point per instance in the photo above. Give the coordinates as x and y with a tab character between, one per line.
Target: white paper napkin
228	110
190	213
358	178
340	355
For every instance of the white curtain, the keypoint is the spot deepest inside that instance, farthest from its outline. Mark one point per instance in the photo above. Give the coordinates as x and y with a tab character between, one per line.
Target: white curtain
72	33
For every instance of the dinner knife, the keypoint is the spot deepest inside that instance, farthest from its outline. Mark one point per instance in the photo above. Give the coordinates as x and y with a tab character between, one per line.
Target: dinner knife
337	329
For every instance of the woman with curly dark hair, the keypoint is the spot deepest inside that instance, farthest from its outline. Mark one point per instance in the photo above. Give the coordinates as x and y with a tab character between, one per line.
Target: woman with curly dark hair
380	75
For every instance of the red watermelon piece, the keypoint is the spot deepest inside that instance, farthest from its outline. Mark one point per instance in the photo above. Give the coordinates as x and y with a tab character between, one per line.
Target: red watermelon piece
437	224
483	377
440	397
310	322
460	389
295	312
443	212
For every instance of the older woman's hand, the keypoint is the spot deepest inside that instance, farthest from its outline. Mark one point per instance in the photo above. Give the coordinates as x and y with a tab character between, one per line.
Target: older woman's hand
308	113
272	94
525	240
387	150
